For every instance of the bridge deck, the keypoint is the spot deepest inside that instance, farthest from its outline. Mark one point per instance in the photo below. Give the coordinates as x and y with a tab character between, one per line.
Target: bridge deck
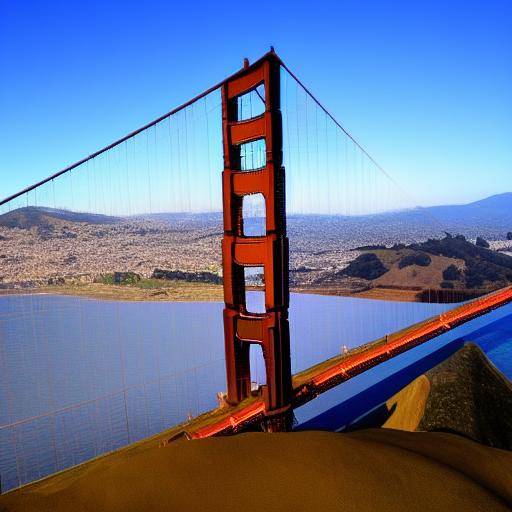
313	381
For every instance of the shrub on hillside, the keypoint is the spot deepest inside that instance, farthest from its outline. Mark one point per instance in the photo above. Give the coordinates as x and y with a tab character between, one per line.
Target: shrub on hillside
366	266
418	258
451	273
191	277
369	248
481	242
126	278
458	247
478	272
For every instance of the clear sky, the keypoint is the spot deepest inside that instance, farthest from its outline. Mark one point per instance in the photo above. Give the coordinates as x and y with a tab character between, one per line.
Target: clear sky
425	86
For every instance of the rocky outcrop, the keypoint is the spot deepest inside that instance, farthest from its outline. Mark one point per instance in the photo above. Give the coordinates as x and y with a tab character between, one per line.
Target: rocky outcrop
470	397
482	242
464	395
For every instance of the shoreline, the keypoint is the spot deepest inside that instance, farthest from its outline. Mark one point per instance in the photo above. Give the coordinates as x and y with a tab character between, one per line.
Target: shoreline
175	291
185	291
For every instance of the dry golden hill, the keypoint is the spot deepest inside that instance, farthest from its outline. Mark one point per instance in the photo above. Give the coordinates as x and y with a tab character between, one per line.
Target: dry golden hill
369	470
453	267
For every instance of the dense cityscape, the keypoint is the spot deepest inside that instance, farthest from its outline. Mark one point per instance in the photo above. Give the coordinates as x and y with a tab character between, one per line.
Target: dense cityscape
83	248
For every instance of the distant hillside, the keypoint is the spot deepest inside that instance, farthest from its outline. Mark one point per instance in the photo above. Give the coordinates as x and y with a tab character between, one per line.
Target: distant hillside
450	263
173	217
39	217
490	217
183	220
480	217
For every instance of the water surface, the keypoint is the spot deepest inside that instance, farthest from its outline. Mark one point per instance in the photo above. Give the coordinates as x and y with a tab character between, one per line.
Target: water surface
80	377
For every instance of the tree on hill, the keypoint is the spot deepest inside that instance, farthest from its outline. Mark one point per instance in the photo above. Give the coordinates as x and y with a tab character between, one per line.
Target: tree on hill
481	271
417	258
451	273
482	265
366	266
481	242
509	235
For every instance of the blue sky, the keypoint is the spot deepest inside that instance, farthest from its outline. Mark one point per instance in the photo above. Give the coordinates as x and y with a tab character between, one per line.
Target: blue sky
425	86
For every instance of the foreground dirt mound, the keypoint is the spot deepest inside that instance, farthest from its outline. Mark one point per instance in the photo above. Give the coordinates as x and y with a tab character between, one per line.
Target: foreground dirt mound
369	470
465	395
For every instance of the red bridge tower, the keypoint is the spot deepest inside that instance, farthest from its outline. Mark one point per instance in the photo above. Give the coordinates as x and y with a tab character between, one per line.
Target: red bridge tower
269	330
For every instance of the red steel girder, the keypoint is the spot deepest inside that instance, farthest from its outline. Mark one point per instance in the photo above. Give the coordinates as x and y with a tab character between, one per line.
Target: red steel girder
242	328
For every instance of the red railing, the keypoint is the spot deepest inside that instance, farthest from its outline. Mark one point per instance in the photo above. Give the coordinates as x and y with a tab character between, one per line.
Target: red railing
349	367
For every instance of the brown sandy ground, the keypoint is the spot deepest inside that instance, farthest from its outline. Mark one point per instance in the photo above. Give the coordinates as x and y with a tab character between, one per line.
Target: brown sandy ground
389	294
369	470
411	294
413	275
393	294
408	405
190	292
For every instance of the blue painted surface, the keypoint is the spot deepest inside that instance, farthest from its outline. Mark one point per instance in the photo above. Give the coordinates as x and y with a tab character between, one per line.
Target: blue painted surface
342	405
496	341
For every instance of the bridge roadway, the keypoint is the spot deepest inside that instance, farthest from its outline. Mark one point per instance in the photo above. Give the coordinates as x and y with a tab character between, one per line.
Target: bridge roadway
324	376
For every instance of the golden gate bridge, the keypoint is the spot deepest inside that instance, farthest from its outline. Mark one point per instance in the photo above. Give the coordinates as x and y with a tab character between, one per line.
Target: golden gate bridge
217	163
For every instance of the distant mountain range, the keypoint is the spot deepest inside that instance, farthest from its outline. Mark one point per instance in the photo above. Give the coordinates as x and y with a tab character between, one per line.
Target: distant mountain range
490	217
494	212
40	217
